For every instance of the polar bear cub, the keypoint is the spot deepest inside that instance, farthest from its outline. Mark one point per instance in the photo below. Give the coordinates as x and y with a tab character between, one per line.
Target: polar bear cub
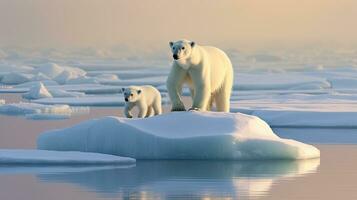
206	70
146	98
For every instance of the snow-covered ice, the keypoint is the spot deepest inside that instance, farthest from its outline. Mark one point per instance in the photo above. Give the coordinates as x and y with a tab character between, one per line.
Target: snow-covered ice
31	108
52	70
43	157
179	135
270	81
92	100
16	78
95	100
40	111
37	91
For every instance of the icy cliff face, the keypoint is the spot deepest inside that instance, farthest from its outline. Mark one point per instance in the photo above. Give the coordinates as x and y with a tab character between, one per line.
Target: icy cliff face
179	135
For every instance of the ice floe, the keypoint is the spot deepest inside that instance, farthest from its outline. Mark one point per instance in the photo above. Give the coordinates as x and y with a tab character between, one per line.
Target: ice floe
43	157
16	78
37	91
179	135
40	111
92	100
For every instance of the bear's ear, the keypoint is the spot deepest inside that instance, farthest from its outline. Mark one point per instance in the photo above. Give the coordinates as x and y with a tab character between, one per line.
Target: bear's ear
171	44
139	91
192	44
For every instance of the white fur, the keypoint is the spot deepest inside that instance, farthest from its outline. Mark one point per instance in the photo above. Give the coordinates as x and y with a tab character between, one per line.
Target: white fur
147	98
206	70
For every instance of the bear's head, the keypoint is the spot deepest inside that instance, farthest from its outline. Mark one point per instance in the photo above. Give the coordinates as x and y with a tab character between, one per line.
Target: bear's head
131	94
181	50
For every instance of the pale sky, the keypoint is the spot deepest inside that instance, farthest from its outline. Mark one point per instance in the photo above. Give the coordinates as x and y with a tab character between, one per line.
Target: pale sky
141	23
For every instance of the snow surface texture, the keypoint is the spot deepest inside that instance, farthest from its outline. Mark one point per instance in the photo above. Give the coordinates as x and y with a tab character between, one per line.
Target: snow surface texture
179	135
8	156
40	111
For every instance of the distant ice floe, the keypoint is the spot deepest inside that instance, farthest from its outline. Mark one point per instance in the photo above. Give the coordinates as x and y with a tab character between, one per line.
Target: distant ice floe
92	100
179	135
40	111
38	91
319	115
16	78
42	157
275	81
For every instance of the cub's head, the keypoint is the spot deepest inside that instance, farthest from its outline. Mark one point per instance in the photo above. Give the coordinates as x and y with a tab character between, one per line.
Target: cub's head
181	49
131	94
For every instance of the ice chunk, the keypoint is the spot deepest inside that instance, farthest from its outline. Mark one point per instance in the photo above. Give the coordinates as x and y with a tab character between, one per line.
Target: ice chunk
2	101
19	156
31	108
52	70
16	78
37	91
179	135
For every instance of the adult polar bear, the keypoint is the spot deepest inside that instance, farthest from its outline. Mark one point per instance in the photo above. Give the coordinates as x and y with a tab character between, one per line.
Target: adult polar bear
206	70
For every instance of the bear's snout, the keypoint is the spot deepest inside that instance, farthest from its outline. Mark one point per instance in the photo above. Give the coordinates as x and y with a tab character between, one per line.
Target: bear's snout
126	99
175	56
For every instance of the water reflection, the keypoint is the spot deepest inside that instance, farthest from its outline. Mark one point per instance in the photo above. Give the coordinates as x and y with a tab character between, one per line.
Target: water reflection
175	179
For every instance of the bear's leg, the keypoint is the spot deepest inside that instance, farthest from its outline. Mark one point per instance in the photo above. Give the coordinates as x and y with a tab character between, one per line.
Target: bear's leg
222	99
127	110
210	103
192	92
150	112
157	108
143	109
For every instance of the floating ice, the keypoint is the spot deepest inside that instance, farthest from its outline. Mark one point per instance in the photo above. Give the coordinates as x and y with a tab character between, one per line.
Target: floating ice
52	70
303	114
37	91
32	108
269	81
16	78
34	83
93	100
42	157
179	135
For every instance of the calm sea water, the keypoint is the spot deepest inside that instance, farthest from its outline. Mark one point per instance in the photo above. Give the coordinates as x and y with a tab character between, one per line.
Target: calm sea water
333	176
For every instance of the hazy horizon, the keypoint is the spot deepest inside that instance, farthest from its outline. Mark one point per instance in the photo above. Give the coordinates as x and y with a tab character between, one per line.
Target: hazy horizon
151	24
